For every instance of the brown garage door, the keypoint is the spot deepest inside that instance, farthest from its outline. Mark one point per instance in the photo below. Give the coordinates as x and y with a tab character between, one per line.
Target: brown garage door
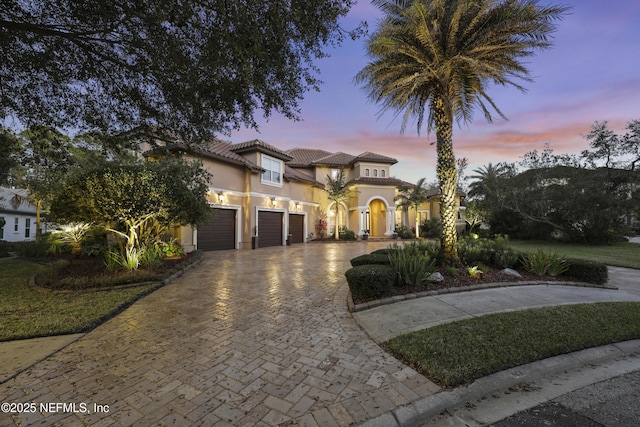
269	229
296	228
220	232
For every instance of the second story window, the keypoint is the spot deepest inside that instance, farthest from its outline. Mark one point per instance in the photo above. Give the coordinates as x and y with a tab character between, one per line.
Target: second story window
366	172
375	172
273	172
383	173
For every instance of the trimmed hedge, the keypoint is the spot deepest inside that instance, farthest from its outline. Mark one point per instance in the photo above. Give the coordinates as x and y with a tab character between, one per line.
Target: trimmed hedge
587	271
370	281
385	251
368	259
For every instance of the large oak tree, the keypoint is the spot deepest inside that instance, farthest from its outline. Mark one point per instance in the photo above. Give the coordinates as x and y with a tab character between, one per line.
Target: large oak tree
194	66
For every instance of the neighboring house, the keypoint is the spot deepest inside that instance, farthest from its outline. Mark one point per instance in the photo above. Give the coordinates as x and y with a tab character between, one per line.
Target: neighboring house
18	214
263	196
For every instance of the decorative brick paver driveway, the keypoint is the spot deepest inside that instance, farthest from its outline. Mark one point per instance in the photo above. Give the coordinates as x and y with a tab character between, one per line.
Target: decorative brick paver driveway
246	338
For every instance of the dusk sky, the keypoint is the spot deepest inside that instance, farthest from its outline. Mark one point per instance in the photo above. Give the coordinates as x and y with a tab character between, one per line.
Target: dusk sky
591	74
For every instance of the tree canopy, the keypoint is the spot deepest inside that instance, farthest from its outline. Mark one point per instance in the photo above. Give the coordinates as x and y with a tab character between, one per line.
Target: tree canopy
590	198
127	198
193	66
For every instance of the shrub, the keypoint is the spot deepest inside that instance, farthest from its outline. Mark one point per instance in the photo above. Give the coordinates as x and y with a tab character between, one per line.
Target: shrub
171	248
386	251
370	281
151	255
431	228
347	235
493	252
587	271
542	263
34	249
4	248
404	232
51	272
411	269
369	259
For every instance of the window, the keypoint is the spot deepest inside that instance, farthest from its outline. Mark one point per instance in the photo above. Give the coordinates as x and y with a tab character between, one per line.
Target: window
335	173
366	172
2	222
383	173
16	225
273	172
375	172
27	227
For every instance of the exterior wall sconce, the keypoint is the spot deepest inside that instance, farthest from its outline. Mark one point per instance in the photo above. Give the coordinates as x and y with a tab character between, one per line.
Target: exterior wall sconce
273	202
297	206
221	197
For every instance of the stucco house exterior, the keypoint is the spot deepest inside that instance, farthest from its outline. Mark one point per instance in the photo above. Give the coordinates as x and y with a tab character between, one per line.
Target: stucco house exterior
19	216
431	209
263	196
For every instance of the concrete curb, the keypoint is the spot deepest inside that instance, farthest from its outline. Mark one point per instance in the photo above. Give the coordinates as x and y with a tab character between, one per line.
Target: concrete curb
451	290
542	381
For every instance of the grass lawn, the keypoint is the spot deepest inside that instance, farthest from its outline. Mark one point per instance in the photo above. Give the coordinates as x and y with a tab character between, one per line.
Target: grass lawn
26	312
620	254
459	352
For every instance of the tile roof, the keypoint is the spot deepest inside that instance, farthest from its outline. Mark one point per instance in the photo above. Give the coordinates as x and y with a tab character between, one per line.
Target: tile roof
215	149
377	181
335	159
291	174
262	147
304	157
373	157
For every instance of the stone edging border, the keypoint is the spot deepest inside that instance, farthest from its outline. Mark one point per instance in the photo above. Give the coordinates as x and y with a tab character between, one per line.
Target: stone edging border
390	300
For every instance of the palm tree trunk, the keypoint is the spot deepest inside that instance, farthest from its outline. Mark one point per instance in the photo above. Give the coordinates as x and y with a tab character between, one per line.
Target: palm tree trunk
447	177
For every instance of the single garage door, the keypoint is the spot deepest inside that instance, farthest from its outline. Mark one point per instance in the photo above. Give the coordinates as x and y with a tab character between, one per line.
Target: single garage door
296	228
269	229
220	232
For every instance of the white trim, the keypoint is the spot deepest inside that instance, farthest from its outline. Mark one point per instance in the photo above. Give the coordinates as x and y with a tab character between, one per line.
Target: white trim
278	184
285	220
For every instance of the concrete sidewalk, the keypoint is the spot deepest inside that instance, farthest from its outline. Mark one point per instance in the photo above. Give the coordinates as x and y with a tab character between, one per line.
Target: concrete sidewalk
498	396
385	322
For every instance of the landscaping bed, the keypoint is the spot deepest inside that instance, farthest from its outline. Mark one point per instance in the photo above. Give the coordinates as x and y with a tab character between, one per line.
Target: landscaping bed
72	273
464	280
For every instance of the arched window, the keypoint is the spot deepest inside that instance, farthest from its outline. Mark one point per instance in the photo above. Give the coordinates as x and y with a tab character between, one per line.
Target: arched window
375	172
366	172
383	173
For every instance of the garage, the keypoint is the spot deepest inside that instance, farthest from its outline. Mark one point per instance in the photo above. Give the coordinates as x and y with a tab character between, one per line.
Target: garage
269	229
296	228
220	232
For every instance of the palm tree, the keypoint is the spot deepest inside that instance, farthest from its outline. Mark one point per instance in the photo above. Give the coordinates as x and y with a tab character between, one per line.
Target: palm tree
337	191
485	179
413	196
441	56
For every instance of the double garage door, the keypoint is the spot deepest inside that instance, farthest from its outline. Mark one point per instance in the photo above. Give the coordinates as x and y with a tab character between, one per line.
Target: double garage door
270	228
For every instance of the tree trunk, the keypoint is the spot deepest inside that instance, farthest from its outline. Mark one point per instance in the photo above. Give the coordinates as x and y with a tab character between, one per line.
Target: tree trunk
447	178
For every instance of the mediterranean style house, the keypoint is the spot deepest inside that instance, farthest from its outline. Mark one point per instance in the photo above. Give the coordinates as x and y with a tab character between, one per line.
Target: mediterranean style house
263	196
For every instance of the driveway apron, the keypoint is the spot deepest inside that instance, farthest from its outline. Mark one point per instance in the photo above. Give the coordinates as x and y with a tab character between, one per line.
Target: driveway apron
254	337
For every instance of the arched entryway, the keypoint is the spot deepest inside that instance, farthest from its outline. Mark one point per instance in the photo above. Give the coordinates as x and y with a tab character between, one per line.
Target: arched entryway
377	218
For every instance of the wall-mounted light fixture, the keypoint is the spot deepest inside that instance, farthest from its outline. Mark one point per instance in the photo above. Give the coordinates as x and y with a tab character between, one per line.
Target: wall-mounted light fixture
273	202
297	206
221	197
